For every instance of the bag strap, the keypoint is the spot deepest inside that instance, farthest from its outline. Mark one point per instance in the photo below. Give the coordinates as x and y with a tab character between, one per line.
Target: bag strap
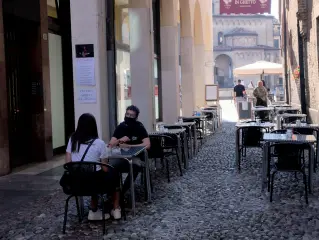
87	149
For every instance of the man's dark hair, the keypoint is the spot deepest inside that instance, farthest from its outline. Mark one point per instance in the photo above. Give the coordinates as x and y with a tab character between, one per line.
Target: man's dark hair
239	81
134	109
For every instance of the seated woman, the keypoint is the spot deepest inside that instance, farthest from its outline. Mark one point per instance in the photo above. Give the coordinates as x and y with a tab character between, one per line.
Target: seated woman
86	138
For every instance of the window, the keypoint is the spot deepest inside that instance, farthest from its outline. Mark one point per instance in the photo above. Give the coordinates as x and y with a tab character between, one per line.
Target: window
276	43
123	64
52	9
157	60
220	39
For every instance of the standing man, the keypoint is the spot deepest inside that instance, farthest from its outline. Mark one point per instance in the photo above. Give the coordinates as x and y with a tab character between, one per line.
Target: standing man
239	91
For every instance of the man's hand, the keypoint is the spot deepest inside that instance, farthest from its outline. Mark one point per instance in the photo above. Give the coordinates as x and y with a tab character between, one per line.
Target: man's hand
124	145
124	139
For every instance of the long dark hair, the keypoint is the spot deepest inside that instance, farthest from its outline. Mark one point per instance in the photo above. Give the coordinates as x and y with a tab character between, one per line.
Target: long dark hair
85	131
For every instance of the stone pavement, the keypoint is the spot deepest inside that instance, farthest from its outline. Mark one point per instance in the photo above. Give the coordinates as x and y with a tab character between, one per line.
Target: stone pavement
211	201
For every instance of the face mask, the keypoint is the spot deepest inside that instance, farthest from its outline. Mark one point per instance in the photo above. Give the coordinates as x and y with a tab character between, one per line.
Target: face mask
129	120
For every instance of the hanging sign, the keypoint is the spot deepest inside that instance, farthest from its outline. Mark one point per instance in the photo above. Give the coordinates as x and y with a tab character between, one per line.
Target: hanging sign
245	6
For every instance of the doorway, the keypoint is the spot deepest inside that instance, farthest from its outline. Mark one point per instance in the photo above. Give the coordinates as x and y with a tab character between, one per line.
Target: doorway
23	84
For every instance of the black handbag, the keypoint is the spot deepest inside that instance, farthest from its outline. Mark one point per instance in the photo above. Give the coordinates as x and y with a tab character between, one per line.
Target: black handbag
65	179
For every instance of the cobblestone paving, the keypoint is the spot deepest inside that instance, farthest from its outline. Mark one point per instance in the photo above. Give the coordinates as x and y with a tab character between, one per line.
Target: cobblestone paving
211	201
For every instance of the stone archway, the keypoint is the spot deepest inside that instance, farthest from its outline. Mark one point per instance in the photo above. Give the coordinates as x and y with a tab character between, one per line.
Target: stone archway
224	71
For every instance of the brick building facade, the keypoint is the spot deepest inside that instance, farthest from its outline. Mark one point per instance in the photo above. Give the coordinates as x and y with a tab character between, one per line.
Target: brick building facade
307	12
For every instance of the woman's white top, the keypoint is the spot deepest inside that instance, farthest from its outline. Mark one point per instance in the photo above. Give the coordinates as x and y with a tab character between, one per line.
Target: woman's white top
96	152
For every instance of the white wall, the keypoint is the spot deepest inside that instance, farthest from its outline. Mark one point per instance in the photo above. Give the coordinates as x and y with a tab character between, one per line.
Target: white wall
56	87
89	27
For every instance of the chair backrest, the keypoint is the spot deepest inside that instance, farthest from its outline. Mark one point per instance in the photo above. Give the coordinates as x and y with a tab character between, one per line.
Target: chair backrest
289	155
284	131
304	130
252	136
156	149
290	120
174	127
83	178
169	140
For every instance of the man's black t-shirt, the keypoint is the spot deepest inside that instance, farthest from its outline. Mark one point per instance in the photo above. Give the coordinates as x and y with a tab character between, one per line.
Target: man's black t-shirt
239	89
135	132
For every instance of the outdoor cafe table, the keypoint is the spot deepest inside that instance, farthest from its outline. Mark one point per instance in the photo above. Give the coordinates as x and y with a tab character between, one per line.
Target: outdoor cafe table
270	110
192	133
241	125
286	115
178	133
203	119
215	117
283	138
128	154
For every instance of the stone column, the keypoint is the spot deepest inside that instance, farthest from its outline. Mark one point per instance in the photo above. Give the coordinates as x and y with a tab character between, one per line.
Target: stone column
187	59
188	83
200	78
142	58
89	27
4	138
169	62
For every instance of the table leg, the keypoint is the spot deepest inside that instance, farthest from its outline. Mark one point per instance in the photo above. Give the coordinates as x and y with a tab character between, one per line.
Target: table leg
185	151
132	187
317	152
264	166
237	149
191	143
311	162
148	176
195	139
179	146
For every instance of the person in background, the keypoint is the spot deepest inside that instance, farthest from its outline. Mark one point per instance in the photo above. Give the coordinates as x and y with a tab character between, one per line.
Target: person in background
129	133
239	92
86	134
261	95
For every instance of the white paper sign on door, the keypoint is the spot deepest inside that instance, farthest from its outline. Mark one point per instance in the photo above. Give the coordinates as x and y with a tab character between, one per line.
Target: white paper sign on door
87	95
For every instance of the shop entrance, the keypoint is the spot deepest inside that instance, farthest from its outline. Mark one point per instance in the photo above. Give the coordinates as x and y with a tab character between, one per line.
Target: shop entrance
23	84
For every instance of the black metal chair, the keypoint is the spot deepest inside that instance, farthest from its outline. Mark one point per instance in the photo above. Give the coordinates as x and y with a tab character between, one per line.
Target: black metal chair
308	131
162	147
81	179
262	115
199	128
288	158
188	136
251	137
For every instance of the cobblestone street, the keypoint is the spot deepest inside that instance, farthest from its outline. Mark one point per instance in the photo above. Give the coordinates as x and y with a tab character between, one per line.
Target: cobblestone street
211	201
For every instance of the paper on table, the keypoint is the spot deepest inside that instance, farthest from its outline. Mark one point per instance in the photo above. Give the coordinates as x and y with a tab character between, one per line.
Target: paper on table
244	105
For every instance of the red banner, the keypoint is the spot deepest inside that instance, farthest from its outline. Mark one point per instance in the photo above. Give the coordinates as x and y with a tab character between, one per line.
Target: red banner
245	6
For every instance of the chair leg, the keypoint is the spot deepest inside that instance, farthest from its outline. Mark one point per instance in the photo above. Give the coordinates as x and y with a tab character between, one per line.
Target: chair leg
179	162
78	209
167	170
66	213
239	160
103	215
306	186
272	185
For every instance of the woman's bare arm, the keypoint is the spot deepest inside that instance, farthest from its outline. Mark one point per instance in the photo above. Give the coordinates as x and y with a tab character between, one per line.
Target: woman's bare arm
68	157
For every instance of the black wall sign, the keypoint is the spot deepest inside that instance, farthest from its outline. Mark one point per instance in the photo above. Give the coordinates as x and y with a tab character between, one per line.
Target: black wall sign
84	50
